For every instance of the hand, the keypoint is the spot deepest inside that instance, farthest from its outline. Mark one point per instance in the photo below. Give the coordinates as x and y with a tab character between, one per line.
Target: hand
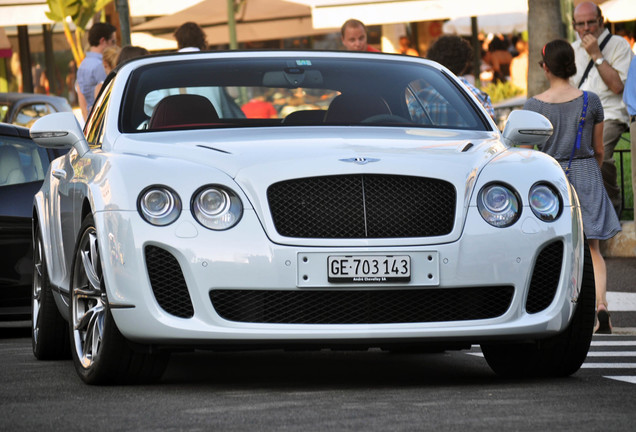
590	43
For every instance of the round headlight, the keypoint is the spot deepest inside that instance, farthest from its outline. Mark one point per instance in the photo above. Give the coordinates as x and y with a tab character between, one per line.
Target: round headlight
159	205
545	202
216	207
498	205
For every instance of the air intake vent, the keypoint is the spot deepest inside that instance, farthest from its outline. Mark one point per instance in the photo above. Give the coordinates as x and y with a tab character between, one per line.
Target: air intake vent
545	278
168	284
362	307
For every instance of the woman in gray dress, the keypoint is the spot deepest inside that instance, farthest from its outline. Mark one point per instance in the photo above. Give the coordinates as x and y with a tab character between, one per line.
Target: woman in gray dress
564	105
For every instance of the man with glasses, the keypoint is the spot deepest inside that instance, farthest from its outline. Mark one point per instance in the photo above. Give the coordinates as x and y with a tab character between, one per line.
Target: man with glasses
602	62
91	70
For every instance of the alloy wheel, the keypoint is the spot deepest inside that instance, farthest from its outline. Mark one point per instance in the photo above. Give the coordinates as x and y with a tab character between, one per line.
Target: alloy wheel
88	303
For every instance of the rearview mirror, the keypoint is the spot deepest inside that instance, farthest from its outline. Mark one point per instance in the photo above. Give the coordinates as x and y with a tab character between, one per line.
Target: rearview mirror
527	128
59	131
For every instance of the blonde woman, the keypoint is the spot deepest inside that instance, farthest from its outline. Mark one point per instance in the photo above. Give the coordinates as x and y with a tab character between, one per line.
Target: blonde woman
109	60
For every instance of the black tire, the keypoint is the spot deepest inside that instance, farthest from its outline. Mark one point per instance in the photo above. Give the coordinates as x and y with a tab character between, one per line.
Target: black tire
100	352
557	356
49	330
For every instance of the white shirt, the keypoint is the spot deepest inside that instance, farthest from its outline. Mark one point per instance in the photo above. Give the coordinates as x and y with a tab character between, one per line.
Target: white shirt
618	54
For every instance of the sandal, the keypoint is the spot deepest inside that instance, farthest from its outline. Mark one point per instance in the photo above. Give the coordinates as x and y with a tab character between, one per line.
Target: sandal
603	322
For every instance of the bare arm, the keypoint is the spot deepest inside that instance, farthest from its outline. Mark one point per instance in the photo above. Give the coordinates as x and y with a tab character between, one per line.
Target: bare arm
610	76
597	143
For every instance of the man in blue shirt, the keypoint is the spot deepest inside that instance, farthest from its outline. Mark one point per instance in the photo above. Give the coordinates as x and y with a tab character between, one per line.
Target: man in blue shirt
91	70
629	97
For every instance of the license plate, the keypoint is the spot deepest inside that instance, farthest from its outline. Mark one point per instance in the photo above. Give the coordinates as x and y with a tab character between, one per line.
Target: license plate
369	268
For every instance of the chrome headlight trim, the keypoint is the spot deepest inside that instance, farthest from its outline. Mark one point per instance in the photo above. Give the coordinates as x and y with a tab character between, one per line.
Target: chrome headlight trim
216	207
159	205
545	202
499	204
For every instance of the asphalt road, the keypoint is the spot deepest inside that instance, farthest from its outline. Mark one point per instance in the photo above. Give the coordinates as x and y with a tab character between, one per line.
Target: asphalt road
322	391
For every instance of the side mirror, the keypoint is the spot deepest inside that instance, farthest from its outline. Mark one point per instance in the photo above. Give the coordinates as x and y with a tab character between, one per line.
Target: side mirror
59	131
526	128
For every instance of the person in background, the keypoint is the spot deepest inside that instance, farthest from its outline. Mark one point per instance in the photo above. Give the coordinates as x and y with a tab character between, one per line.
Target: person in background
405	47
190	37
354	36
606	77
91	70
629	37
629	97
259	107
456	54
129	52
499	58
519	66
109	60
573	112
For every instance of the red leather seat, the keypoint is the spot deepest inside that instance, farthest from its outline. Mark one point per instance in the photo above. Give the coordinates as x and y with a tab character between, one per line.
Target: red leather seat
354	107
182	110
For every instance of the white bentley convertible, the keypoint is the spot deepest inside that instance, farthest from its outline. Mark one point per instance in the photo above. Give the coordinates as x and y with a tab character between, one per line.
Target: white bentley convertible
298	200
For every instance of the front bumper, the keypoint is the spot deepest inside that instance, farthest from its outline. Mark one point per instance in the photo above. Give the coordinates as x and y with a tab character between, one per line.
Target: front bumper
177	308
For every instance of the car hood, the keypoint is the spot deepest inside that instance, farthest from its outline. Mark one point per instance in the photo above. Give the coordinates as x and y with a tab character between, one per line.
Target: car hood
264	155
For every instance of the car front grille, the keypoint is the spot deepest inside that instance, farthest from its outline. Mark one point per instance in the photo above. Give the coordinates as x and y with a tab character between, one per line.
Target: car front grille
362	307
168	283
362	206
545	277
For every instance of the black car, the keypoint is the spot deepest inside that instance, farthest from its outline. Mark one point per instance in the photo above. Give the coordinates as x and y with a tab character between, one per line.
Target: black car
25	108
23	166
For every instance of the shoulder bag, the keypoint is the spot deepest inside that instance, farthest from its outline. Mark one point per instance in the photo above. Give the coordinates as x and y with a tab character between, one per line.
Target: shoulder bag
579	133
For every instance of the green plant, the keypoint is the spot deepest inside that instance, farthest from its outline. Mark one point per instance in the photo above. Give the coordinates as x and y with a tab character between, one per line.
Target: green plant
79	12
501	91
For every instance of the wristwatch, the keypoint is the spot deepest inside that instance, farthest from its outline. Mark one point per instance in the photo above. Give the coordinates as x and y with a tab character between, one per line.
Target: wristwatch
599	61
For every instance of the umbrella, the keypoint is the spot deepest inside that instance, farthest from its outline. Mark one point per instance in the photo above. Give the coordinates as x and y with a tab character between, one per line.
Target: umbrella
619	10
256	21
515	22
330	13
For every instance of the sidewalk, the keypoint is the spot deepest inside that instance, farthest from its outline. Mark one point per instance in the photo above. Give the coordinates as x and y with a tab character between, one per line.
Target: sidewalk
623	245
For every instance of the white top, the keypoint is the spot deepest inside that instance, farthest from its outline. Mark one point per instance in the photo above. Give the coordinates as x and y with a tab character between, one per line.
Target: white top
618	54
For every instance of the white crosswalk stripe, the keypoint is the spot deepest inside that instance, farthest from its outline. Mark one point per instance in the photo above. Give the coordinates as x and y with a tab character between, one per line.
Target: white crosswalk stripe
604	354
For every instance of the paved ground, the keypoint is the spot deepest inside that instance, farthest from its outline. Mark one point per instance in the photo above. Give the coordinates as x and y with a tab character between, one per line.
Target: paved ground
621	296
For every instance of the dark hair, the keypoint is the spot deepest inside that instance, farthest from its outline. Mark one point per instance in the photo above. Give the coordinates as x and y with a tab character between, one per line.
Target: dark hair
100	30
129	52
451	51
558	56
190	34
352	23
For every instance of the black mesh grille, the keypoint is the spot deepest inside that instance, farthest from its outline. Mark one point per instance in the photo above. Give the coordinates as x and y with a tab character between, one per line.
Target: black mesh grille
362	307
362	206
167	282
545	278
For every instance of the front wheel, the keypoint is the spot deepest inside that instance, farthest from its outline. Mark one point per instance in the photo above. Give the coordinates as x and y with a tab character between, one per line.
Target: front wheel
100	352
49	331
560	355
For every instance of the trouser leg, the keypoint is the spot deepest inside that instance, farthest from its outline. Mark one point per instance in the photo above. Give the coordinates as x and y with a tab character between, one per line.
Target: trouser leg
612	131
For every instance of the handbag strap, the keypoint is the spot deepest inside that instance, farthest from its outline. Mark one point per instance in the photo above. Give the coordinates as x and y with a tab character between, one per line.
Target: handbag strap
579	132
591	63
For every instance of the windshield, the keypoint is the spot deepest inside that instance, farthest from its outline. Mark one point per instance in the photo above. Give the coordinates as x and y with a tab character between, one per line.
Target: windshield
221	93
